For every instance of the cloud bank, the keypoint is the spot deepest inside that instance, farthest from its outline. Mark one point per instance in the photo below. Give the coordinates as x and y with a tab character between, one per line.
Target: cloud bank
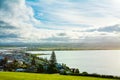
59	21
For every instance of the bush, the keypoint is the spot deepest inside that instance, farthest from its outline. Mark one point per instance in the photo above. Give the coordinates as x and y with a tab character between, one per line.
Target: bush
84	73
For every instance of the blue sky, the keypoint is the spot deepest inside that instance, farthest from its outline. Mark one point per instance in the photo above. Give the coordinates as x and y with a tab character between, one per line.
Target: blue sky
60	21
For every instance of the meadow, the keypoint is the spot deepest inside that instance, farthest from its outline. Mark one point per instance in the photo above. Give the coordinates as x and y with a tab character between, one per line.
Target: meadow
35	76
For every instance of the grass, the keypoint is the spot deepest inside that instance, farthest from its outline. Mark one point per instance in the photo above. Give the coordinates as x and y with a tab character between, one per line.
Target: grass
34	76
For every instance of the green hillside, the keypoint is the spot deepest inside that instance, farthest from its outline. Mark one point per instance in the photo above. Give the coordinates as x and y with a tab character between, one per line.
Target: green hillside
33	76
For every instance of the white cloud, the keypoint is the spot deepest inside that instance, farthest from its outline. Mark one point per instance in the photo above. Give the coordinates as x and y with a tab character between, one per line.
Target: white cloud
21	16
96	13
74	19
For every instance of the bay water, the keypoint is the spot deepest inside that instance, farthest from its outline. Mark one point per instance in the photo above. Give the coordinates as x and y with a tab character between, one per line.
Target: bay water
92	61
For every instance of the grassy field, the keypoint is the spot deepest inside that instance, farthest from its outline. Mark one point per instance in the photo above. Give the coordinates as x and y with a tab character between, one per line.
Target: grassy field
33	76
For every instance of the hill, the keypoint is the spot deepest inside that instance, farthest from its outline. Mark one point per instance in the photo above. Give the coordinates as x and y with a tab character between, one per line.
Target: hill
65	46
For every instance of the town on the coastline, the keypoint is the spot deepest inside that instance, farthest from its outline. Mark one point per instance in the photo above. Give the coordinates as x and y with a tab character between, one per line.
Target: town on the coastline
19	60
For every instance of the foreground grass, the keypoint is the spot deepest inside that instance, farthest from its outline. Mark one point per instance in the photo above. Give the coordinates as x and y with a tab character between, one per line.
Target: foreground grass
33	76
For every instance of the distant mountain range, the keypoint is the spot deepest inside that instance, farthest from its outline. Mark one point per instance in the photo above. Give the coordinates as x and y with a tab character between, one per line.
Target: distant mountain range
81	46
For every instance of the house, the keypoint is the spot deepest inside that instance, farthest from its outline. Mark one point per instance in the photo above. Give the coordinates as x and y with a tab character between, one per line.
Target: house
1	57
1	68
20	70
59	66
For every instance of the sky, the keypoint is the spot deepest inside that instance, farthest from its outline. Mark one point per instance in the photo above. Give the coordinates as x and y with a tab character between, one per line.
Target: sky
67	21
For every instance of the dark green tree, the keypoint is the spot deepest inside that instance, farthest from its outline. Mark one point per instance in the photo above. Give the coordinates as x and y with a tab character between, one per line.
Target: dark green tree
84	73
53	59
4	63
15	64
52	63
40	68
5	60
77	71
33	63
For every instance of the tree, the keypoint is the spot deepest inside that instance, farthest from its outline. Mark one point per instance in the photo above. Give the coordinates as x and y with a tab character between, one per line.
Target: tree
52	63
53	60
40	68
15	64
33	63
84	73
77	71
4	63
5	60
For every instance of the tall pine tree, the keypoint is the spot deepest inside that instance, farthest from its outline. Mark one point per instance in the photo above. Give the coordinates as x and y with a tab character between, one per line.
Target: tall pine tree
52	63
53	59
